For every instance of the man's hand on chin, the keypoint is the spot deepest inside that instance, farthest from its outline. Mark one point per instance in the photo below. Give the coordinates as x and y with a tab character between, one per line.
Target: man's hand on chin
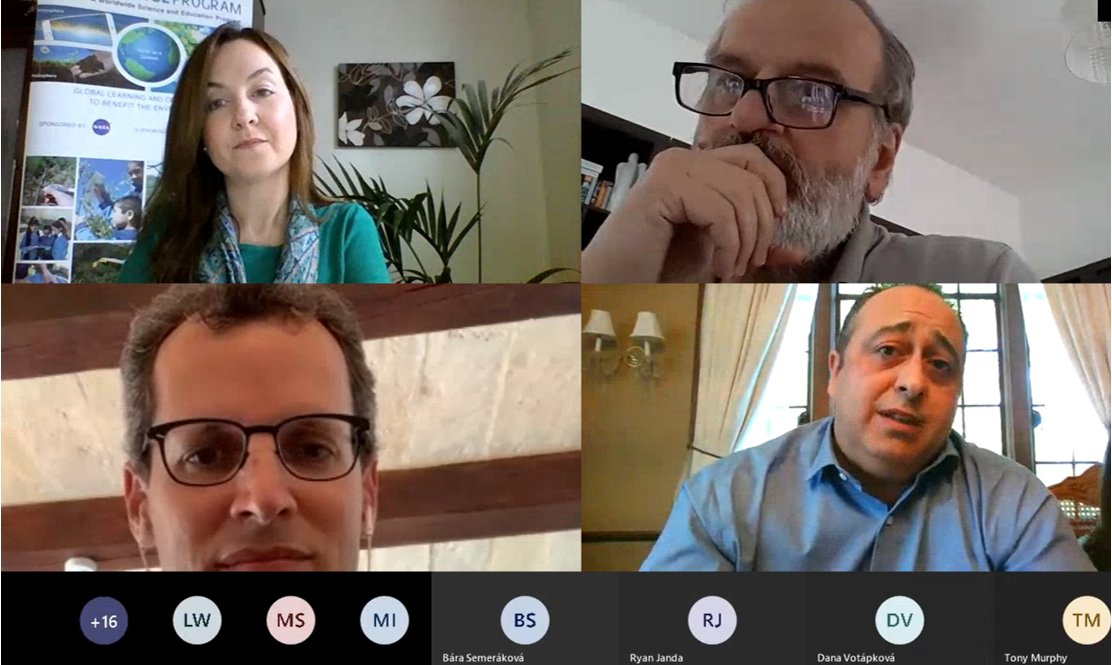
696	216
690	260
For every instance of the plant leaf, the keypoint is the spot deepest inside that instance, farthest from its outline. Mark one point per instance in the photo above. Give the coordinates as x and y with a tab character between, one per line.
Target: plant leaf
479	120
475	219
541	276
457	130
351	184
484	101
469	121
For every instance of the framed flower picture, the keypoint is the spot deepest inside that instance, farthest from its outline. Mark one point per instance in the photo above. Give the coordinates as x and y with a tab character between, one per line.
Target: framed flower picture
394	105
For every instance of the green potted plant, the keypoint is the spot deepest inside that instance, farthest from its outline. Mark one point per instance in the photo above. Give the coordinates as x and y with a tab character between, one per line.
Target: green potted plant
472	124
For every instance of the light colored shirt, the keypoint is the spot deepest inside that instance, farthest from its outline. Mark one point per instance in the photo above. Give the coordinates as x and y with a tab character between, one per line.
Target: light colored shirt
875	254
60	249
788	505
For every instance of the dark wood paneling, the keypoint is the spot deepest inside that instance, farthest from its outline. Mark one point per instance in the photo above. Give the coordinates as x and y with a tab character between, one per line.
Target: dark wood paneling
505	497
822	343
18	27
1015	395
46	332
593	537
893	227
1098	272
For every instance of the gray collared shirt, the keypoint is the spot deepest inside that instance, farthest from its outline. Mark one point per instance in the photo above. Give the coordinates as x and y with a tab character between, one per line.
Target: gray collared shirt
875	254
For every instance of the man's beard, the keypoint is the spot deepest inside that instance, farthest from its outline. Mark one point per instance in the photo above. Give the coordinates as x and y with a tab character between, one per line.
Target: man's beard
824	208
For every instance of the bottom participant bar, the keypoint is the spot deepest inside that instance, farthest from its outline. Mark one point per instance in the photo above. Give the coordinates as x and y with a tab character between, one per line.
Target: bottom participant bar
549	618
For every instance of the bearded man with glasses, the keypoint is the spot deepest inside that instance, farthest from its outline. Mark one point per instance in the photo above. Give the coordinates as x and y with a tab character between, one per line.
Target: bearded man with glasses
250	430
802	107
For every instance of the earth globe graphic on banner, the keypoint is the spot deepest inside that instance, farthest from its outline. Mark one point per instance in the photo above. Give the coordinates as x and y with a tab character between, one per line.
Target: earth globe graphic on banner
148	55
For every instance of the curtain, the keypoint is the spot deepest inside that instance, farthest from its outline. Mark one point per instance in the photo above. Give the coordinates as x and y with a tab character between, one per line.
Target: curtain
1084	318
742	327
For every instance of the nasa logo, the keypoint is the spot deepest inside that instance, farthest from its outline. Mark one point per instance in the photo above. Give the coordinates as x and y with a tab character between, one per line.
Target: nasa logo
102	127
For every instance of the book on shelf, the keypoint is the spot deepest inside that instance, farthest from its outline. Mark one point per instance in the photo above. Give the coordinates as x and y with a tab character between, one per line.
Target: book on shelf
602	195
590	173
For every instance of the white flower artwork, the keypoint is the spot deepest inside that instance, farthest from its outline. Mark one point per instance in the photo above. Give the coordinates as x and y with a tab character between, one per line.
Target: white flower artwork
423	100
392	105
348	131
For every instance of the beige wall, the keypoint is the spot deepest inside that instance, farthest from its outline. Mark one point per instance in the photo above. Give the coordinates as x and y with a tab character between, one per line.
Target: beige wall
485	39
634	440
555	27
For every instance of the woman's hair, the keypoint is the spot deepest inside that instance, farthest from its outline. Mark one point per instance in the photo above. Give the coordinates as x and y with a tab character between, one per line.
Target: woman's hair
61	225
182	208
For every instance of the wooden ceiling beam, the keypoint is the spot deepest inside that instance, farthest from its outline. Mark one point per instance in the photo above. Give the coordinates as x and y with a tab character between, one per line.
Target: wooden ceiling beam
83	327
504	497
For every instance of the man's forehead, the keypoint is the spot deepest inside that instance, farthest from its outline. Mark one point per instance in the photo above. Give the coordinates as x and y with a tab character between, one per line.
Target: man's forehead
285	361
922	311
790	37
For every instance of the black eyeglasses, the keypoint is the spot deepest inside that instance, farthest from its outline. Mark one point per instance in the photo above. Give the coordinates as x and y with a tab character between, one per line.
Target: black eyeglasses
208	451
792	101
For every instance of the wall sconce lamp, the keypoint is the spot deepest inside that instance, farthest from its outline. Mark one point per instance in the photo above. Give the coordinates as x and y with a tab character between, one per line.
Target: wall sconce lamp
599	334
647	345
647	339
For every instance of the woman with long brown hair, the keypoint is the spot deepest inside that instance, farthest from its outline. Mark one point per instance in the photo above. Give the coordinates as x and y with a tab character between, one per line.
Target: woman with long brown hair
236	201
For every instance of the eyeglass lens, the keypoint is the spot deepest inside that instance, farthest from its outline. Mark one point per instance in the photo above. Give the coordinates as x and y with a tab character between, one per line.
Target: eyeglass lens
794	102
211	452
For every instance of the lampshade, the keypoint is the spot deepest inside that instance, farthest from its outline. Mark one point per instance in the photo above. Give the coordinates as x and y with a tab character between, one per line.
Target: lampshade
1087	41
1087	55
648	328
600	324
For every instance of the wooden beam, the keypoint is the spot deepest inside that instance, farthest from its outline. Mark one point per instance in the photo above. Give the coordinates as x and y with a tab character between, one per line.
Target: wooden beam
83	327
504	497
593	537
1015	394
822	343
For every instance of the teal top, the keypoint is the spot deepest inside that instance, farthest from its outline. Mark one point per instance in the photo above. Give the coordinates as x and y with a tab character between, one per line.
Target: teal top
350	252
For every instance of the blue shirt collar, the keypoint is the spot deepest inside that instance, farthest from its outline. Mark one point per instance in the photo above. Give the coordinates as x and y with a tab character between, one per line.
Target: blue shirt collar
824	456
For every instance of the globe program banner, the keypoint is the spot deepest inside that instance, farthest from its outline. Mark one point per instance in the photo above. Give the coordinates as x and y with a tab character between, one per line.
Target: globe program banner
103	74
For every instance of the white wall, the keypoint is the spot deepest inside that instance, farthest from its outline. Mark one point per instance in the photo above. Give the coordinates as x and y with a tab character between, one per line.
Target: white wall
556	27
1067	227
485	38
627	67
929	195
627	72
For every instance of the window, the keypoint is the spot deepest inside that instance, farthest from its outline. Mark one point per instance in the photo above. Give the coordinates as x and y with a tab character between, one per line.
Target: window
979	418
786	396
1068	434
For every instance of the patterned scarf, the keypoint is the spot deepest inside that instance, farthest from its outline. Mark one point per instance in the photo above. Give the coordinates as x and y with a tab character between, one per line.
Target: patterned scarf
222	263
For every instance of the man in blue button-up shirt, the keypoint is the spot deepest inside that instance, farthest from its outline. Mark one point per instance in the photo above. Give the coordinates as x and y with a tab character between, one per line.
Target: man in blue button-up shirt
883	484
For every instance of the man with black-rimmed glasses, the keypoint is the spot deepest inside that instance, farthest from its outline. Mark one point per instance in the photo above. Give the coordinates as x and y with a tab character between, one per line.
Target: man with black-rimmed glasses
802	107
250	430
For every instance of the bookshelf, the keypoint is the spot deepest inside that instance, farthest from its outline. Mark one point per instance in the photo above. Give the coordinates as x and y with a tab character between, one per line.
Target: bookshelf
609	140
